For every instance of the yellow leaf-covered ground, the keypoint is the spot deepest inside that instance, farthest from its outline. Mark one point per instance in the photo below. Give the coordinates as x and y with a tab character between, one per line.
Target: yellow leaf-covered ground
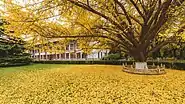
88	84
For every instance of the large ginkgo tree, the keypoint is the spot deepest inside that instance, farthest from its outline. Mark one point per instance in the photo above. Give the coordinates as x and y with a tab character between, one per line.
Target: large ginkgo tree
135	25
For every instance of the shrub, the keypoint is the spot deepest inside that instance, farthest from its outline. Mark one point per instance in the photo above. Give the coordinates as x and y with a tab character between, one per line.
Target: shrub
15	61
115	56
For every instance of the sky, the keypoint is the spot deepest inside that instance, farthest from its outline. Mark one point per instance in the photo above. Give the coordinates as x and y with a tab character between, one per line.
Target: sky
20	2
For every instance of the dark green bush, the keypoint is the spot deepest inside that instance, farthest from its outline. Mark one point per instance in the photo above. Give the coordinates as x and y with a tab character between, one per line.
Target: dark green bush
112	56
111	62
15	61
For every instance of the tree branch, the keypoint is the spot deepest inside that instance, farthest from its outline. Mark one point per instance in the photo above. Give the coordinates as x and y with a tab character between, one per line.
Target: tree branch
137	8
88	8
124	10
135	19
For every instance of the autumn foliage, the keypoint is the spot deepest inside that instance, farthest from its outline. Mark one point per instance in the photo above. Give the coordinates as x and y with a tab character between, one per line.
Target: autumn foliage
88	84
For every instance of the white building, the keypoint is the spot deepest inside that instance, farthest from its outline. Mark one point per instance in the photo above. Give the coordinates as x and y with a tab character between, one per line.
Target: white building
71	53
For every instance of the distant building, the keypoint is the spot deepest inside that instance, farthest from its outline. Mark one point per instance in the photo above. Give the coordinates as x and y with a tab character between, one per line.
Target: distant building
72	52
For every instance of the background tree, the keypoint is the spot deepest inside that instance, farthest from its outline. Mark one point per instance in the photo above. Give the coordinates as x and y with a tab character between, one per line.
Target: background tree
12	51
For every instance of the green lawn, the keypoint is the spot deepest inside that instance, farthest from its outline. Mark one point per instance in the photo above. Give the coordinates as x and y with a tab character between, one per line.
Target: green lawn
32	67
88	84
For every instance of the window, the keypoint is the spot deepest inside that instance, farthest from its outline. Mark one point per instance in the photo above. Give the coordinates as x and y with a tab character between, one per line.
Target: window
54	56
63	56
58	57
67	55
72	55
67	47
49	57
78	56
71	46
84	55
44	56
37	57
99	54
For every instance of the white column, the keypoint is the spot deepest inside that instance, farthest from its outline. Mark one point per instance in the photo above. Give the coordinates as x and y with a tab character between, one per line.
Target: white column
76	57
60	56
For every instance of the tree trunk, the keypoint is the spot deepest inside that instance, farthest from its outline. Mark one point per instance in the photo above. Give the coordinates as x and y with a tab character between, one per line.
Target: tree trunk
140	58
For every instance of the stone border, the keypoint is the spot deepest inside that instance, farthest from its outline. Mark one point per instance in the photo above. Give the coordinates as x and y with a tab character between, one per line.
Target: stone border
156	71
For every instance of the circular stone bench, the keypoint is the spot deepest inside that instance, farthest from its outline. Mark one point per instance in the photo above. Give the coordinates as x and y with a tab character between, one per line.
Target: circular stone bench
151	71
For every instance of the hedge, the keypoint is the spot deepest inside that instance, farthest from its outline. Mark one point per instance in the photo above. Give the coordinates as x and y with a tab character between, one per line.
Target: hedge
108	62
15	61
168	64
112	57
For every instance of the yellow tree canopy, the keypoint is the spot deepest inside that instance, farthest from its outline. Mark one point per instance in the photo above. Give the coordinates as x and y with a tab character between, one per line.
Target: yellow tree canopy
43	21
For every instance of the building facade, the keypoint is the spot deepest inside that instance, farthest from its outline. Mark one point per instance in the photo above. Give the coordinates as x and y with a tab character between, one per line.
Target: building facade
72	52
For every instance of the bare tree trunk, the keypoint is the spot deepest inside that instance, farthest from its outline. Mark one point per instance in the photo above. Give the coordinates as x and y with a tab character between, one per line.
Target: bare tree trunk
139	55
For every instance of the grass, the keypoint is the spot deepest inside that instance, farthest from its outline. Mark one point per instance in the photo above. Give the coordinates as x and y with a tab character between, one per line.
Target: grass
32	67
88	84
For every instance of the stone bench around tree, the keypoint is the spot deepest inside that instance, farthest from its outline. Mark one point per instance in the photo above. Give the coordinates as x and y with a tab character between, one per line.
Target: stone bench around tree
143	68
